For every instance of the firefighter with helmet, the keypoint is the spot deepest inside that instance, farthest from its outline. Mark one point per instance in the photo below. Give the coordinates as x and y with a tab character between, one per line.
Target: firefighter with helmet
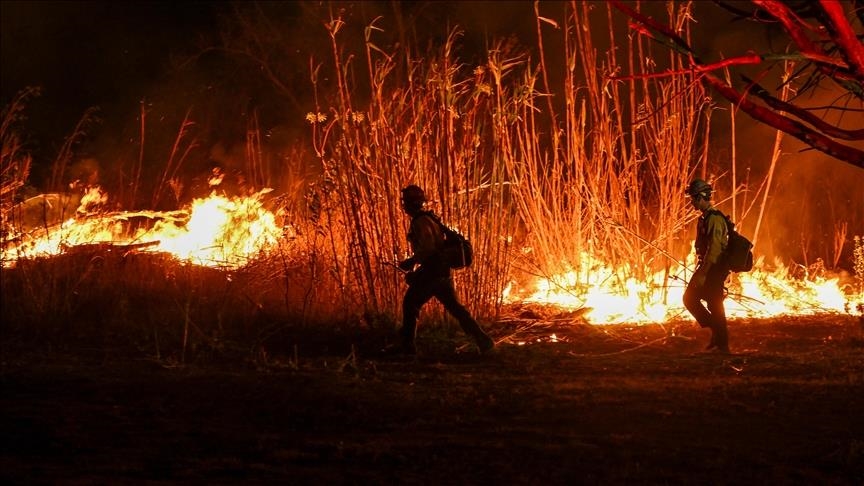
707	282
428	275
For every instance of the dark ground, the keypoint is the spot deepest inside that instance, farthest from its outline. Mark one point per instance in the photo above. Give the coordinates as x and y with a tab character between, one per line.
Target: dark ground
603	405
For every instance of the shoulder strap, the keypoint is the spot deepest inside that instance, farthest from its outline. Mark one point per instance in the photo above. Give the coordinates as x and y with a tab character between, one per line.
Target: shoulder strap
730	226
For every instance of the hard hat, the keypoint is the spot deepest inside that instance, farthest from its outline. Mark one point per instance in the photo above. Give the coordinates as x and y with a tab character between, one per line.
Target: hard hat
699	187
413	195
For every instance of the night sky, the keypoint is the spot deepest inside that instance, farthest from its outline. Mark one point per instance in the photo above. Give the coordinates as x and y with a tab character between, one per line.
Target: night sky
92	54
113	55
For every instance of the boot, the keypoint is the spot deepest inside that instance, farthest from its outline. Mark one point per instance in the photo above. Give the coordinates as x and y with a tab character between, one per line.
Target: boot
719	339
485	343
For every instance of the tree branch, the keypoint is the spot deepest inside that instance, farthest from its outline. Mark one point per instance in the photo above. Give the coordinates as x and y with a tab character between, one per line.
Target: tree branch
697	68
792	26
842	33
804	115
785	124
825	65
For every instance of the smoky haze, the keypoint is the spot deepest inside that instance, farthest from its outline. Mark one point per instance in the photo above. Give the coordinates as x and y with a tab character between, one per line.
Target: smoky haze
814	201
116	55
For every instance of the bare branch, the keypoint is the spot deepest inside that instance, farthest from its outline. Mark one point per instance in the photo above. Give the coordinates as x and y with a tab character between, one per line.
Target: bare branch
802	114
793	26
785	124
850	47
838	56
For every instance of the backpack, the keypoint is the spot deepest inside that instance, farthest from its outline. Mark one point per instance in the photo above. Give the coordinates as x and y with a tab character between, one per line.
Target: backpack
739	251
457	251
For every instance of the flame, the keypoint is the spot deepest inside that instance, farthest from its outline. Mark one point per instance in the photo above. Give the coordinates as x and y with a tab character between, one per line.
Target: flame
220	231
217	231
610	295
228	232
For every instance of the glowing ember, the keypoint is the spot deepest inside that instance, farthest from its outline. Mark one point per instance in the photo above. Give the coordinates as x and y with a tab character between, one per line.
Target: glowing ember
216	231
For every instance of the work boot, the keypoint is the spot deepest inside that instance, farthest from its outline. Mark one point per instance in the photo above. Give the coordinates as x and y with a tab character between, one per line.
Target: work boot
485	344
720	337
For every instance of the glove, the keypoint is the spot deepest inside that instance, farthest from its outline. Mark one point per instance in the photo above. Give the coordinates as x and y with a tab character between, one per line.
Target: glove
407	264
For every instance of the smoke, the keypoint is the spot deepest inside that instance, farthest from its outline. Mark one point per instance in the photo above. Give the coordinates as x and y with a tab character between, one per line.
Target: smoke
815	203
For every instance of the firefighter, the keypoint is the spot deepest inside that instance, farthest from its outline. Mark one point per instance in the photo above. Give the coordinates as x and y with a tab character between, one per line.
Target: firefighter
428	275
707	283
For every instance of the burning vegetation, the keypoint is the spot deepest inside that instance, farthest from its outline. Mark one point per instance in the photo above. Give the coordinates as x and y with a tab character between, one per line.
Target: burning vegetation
572	201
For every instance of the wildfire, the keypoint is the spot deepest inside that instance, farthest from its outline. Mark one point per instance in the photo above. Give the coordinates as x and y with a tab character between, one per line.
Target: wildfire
611	295
228	232
217	231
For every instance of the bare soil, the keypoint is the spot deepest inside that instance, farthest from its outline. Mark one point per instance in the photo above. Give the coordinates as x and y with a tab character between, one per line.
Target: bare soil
594	404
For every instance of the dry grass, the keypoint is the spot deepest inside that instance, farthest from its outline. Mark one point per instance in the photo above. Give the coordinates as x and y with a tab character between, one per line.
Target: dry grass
14	159
505	163
537	176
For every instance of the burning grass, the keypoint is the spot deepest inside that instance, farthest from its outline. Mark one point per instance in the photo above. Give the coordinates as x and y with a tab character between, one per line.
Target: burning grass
571	200
573	205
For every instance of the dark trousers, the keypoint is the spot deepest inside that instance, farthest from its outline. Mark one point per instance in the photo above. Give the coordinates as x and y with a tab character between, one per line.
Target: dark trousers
420	291
711	314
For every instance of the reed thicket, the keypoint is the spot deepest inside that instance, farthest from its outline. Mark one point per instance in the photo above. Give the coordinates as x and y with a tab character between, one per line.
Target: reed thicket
537	178
541	178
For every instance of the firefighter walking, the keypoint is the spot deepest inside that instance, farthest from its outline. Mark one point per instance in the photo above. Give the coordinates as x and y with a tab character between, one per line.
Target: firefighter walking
707	283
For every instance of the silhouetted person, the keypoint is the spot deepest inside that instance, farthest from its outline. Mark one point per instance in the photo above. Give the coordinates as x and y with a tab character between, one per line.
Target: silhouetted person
707	282
428	275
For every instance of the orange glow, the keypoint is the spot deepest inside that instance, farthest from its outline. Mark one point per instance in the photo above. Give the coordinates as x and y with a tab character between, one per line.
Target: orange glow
217	231
612	295
229	232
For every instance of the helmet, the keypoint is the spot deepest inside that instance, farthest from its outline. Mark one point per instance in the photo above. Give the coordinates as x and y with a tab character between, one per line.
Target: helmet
699	187
413	195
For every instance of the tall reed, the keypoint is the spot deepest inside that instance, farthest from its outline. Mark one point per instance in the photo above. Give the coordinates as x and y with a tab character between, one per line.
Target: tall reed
534	182
15	161
617	165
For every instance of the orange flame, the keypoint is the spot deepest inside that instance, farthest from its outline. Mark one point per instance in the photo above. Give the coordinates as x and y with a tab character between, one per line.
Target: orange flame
611	295
228	232
216	231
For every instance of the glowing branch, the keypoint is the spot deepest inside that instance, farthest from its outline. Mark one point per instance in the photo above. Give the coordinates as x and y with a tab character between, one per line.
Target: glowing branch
785	124
802	114
850	46
841	59
793	26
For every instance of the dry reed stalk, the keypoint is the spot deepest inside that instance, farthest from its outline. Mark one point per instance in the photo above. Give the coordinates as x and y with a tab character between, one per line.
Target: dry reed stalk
841	231
421	126
489	156
788	67
257	169
14	161
175	158
139	163
609	170
67	150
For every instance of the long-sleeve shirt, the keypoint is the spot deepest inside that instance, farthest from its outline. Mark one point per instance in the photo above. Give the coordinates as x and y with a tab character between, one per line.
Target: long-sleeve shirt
712	237
426	238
